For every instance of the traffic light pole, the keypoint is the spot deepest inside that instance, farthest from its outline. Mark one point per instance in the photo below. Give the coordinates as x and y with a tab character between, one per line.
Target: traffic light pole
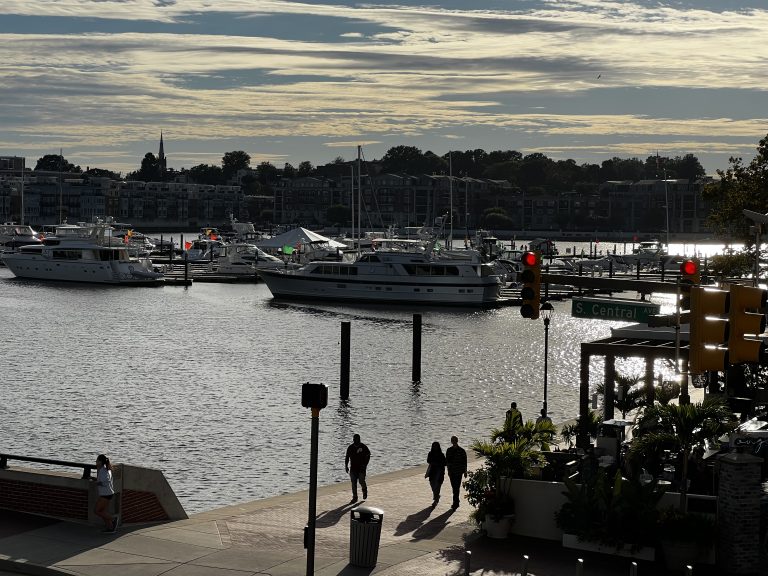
682	374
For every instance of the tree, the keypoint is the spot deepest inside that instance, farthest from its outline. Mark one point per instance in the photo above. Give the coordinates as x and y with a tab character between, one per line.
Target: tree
289	171
739	187
305	168
267	172
407	159
231	162
681	428
206	174
101	173
149	171
56	163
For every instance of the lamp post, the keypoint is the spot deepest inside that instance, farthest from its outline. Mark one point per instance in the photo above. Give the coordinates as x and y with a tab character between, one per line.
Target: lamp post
546	311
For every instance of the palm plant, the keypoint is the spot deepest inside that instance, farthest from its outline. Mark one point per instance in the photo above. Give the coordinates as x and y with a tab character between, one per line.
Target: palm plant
570	431
630	394
668	390
681	428
541	433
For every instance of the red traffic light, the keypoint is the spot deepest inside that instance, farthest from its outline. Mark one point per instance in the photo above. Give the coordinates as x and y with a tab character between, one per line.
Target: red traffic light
529	259
689	267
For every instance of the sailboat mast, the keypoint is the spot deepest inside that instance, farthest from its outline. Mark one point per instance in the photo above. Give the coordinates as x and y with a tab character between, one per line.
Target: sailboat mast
61	208
359	197
450	202
23	169
352	198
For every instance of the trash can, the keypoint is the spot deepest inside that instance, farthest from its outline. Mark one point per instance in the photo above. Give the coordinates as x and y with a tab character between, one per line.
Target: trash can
364	535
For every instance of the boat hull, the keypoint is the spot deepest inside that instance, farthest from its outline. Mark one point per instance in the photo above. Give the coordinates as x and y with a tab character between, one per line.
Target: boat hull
93	272
442	292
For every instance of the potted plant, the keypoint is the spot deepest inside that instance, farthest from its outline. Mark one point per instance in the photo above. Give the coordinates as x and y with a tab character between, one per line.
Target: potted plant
612	515
685	537
493	511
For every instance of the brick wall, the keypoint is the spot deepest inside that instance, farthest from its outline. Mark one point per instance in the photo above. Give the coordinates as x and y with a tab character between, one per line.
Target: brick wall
36	498
738	506
136	506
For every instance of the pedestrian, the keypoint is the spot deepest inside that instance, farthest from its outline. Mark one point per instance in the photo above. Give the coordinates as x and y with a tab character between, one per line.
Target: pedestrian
355	463
456	461
543	417
106	492
514	417
435	471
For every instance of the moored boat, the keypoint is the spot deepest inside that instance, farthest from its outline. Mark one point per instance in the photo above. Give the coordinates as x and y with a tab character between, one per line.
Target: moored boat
81	253
390	275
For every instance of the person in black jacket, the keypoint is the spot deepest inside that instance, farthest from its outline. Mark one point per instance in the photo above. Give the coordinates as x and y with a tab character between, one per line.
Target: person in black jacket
456	460
356	462
435	470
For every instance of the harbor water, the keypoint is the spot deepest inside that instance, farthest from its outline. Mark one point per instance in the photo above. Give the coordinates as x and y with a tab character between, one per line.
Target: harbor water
204	382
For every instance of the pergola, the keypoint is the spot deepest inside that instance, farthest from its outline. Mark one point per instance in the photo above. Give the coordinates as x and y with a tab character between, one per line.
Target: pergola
651	349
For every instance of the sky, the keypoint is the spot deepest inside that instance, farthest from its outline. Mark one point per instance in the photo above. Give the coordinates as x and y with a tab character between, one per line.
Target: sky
290	81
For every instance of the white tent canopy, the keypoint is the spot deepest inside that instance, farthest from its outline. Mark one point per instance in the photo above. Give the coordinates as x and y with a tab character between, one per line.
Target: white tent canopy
295	237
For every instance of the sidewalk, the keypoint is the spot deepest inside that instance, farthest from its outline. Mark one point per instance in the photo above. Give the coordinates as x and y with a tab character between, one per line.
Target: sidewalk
266	537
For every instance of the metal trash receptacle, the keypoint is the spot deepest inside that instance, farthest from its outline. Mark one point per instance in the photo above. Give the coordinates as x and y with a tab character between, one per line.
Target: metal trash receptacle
364	535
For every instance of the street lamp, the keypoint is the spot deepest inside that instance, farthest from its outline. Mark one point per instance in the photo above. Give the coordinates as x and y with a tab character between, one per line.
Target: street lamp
545	312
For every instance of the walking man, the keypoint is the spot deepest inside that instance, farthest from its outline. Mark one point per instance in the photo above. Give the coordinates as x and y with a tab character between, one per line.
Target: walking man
456	462
355	462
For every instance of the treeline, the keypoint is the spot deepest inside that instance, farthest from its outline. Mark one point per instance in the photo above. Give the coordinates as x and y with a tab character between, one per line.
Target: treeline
526	172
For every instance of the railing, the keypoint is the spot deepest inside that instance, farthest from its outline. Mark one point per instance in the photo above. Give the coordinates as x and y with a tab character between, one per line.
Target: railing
86	467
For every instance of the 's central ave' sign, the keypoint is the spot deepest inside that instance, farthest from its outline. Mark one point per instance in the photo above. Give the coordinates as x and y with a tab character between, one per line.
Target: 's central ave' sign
613	309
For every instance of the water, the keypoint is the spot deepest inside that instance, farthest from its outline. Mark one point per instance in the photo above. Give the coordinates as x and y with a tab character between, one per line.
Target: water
205	382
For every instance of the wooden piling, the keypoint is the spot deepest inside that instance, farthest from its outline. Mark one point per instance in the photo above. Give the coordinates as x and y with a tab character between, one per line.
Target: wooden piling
345	347
416	371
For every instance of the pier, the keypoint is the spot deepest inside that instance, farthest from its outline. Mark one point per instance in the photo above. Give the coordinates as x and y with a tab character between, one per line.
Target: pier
266	537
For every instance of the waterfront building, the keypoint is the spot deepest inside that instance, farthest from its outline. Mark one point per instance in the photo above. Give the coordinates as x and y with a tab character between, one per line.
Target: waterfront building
384	200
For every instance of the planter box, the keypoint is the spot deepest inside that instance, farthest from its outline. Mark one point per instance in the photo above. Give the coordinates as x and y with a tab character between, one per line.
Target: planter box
572	541
498	529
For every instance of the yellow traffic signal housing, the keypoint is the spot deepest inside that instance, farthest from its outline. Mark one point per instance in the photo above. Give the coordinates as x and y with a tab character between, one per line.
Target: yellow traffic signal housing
707	348
747	322
531	291
690	275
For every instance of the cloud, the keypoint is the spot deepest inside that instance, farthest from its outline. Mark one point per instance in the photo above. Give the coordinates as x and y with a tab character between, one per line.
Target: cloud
375	73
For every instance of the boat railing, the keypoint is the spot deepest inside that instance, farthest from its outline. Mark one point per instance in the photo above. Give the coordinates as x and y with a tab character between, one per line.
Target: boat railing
86	467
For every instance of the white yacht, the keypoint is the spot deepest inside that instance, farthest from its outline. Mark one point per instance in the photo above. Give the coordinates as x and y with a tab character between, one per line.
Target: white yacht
389	274
81	253
241	259
651	248
13	236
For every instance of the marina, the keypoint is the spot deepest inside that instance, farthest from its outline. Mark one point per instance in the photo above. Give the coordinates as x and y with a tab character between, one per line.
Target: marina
205	382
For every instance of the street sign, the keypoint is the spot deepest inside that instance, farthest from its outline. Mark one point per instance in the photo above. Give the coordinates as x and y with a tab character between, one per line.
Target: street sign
613	309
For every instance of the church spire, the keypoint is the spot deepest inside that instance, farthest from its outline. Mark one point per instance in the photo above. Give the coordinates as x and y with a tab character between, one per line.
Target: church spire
161	158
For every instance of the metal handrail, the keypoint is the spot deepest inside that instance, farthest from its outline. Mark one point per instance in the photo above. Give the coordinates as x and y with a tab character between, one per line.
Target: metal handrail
86	467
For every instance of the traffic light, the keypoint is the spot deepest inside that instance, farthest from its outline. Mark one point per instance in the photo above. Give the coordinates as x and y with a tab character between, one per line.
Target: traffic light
531	277
707	347
690	275
744	344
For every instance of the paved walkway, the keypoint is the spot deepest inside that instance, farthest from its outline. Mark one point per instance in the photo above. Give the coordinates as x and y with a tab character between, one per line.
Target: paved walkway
266	537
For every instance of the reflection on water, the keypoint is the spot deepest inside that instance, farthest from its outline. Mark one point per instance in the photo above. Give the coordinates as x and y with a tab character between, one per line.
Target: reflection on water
205	383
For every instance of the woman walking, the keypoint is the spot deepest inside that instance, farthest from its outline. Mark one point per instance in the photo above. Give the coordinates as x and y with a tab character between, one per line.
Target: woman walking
435	470
106	492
